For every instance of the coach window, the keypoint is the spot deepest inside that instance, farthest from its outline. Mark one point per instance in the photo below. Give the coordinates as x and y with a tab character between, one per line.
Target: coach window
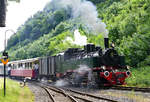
15	66
23	66
30	65
18	65
27	65
33	65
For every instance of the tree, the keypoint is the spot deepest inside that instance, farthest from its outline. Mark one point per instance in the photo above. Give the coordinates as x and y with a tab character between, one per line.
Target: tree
135	48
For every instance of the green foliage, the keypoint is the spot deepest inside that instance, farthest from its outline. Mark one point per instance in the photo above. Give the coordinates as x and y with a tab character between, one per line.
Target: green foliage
37	48
63	26
38	25
92	38
128	24
135	48
127	21
145	62
96	39
140	77
59	43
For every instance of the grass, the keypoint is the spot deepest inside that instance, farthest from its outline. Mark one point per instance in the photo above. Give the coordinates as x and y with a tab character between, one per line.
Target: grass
128	95
15	93
140	77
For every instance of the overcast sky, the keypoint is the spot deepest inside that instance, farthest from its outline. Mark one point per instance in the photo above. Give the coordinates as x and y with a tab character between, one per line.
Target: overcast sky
17	14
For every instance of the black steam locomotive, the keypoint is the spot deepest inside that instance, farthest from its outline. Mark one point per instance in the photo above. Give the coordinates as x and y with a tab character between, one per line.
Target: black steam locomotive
77	66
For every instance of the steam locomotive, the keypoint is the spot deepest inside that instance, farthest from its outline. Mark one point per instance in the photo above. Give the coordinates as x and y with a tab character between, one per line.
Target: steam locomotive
77	66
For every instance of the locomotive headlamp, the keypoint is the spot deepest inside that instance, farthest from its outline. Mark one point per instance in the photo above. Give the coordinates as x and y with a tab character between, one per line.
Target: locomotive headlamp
128	73
106	73
103	67
128	67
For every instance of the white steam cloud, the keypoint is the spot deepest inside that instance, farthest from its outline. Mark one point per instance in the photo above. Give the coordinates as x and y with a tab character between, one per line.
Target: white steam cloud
86	12
78	38
84	69
61	83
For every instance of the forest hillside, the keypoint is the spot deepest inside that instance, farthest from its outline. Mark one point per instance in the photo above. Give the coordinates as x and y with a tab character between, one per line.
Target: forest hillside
51	31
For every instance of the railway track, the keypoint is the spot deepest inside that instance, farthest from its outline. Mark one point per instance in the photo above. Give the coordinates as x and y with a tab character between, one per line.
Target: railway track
59	90
57	95
130	88
87	97
49	94
68	95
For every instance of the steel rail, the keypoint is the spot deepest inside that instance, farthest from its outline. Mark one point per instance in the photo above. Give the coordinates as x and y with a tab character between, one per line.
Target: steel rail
49	94
90	95
73	96
62	92
86	100
131	88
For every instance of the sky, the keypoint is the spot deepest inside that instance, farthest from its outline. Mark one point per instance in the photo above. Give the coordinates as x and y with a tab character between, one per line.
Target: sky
17	14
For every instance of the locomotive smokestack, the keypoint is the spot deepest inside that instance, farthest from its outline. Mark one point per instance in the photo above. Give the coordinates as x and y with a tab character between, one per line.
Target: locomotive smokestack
106	43
2	13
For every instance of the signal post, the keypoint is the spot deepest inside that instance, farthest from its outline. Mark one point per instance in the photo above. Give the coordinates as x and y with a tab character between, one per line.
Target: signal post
5	61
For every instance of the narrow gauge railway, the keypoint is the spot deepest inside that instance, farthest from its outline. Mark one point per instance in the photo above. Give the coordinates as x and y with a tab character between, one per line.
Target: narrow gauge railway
74	96
93	98
57	95
130	88
49	94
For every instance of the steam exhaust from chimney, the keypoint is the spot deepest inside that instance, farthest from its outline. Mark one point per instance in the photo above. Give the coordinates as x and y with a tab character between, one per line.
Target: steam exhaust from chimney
2	13
85	12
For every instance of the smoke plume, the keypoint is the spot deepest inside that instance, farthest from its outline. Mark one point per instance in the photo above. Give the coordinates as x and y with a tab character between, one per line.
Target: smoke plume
78	38
85	11
61	83
82	71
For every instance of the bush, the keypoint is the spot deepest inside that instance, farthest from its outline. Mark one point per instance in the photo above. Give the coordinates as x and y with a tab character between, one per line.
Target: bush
134	48
140	77
145	62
